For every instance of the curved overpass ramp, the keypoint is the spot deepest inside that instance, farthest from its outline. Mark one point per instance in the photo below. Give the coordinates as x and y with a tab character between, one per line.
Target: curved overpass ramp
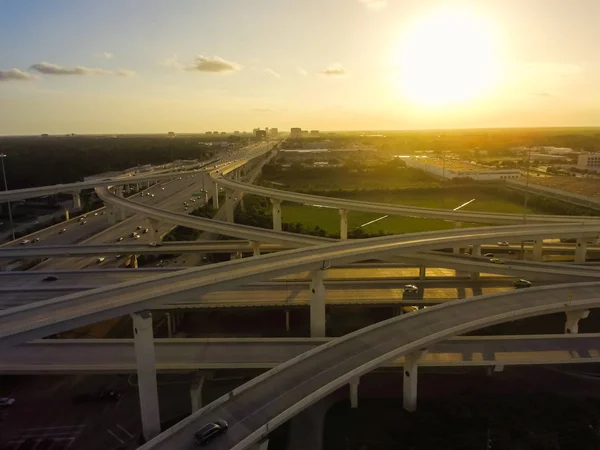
397	210
64	313
258	407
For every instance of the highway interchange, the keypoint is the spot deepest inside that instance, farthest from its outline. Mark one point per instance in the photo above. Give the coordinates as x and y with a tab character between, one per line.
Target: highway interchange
423	328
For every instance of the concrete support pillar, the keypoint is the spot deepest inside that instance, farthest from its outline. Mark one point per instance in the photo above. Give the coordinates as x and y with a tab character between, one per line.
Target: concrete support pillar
146	373
236	255
475	275
255	249
196	394
169	325
354	392
215	195
411	376
476	250
76	200
229	205
287	320
134	261
422	272
457	250
127	189
538	246
66	215
276	214
573	318
317	303
580	250
241	203
343	224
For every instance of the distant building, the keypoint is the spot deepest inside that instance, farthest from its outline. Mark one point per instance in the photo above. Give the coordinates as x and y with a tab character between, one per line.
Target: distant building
236	132
588	160
44	134
295	132
450	170
208	133
171	133
314	132
223	133
274	132
260	134
215	133
304	132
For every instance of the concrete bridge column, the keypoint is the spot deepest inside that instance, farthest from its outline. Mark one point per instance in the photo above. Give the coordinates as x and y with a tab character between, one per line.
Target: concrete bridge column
134	262
538	247
354	392
146	373
276	214
422	272
127	189
229	206
76	200
256	249
196	394
411	376
476	250
66	215
343	224
215	196
457	250
287	320
317	303
573	318
580	250
236	255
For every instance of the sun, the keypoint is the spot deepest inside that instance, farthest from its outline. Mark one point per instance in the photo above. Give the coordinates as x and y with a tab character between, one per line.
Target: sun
447	57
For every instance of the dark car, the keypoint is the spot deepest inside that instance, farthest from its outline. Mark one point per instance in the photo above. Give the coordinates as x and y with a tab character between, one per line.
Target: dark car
210	431
50	278
522	283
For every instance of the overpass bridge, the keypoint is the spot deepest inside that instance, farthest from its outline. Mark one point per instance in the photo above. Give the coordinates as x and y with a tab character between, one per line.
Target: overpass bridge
96	356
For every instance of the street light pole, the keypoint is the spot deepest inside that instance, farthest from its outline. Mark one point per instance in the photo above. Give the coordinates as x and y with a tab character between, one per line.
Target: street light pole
12	228
526	199
526	186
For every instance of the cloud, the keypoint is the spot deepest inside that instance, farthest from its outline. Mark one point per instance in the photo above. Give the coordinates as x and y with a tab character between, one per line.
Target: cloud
125	73
16	75
335	70
213	64
272	73
103	55
301	71
54	69
374	4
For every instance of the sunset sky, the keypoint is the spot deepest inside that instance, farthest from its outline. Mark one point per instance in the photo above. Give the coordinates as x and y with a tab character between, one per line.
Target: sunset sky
129	66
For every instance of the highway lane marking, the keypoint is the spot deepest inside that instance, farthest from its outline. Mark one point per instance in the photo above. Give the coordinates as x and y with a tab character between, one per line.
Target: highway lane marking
125	431
115	436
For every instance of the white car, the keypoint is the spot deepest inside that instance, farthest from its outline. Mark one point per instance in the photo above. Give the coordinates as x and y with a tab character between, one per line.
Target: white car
25	241
411	288
101	259
503	244
154	244
7	401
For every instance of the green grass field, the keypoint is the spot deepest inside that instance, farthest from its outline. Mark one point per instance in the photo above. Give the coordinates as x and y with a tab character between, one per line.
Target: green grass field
329	220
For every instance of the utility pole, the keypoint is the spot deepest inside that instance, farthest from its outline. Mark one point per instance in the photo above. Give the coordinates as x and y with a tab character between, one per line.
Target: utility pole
12	228
526	199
